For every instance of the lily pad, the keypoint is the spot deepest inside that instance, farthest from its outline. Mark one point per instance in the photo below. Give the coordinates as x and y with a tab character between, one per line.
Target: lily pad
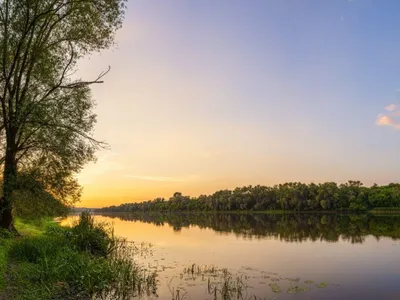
296	289
275	288
294	279
322	285
309	282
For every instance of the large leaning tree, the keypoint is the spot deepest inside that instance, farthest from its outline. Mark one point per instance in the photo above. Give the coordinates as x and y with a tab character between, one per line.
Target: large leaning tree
46	112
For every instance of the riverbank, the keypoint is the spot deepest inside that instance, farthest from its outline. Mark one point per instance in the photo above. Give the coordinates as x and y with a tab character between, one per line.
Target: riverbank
80	262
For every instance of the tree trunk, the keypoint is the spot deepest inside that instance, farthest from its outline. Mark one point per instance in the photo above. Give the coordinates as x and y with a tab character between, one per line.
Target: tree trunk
9	185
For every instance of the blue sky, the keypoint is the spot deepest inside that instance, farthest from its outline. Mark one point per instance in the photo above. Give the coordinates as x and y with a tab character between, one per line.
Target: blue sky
206	95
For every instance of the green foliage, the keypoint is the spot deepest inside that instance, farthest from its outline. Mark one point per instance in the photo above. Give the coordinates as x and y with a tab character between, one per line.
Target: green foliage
47	116
32	227
34	249
5	234
292	196
31	201
5	243
52	266
96	238
62	269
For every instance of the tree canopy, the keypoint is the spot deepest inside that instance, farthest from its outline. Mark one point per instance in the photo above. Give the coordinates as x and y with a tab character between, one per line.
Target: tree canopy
46	112
294	196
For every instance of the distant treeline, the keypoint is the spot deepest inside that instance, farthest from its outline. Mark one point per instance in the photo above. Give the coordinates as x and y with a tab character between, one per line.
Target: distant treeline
292	196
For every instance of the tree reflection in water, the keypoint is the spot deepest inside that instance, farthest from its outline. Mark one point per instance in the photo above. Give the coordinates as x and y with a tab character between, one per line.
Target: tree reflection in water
285	227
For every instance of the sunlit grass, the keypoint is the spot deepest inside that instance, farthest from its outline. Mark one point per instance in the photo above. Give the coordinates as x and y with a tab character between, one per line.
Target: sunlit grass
83	262
32	227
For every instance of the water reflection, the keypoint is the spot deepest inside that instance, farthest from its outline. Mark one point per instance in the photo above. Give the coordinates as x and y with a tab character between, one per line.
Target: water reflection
285	227
315	256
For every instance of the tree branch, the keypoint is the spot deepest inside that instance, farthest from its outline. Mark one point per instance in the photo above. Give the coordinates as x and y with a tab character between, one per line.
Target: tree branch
84	83
93	141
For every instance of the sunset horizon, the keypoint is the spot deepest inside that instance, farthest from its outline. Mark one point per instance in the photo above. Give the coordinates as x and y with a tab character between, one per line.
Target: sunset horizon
104	202
201	99
201	149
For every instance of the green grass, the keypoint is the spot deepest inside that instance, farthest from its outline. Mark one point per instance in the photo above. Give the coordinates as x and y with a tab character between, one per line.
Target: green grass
82	262
32	227
5	244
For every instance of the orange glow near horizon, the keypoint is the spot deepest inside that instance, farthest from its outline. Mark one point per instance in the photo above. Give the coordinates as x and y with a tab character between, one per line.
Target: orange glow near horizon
100	195
232	97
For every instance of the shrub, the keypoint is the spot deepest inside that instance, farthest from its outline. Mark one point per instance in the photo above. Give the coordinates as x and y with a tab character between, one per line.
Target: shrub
96	238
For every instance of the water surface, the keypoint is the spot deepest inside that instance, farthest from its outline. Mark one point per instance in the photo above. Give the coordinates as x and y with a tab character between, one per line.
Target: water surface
331	256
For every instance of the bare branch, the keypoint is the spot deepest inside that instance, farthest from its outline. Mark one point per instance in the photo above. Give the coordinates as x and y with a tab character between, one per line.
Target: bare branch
83	83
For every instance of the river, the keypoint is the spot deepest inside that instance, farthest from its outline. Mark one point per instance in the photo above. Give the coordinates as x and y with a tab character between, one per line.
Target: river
261	256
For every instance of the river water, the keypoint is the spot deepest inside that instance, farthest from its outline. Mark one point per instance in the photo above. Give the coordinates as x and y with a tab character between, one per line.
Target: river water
267	256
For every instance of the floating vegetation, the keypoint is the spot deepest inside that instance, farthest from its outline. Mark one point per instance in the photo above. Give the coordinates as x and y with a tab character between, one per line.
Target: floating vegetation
309	282
296	289
275	288
322	285
294	279
221	283
275	279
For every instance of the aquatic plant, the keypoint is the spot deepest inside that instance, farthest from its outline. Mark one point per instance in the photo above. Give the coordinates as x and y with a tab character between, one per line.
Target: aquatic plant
309	282
178	293
296	289
322	285
228	287
275	288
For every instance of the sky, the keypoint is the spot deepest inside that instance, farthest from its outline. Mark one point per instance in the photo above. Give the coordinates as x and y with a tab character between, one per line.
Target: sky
208	95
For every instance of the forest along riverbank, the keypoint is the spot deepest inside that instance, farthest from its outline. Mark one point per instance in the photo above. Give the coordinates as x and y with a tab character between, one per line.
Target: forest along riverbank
318	256
292	196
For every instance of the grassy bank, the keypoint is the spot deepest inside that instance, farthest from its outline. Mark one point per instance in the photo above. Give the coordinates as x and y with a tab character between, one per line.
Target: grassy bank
81	262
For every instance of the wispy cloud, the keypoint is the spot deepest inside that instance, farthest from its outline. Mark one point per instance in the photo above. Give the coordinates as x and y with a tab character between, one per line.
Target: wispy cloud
151	178
390	119
161	178
391	107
